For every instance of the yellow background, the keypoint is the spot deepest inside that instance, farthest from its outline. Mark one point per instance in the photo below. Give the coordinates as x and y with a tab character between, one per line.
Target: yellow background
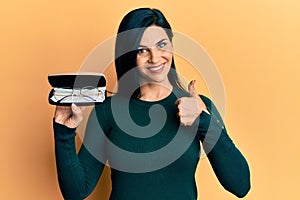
255	45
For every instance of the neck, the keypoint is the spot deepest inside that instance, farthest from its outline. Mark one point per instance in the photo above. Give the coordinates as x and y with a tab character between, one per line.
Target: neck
155	92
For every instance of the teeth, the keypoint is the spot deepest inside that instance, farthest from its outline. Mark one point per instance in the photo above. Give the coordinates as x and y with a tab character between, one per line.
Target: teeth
156	68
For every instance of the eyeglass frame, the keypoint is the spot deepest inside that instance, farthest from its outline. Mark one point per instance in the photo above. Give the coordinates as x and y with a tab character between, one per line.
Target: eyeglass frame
80	94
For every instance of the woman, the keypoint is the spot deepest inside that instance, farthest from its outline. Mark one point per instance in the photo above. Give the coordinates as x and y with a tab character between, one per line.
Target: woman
148	82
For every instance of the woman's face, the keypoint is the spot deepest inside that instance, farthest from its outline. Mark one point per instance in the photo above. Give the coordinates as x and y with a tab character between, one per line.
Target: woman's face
154	56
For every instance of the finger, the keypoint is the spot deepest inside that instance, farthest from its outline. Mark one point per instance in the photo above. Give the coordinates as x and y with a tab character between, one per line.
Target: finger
192	90
76	117
77	112
62	113
177	101
62	110
62	107
75	109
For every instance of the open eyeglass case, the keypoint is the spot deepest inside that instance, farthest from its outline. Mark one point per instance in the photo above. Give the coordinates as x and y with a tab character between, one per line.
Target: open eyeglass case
83	88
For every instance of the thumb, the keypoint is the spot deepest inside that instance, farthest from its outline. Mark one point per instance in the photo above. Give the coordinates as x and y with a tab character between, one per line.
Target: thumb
75	109
192	90
77	113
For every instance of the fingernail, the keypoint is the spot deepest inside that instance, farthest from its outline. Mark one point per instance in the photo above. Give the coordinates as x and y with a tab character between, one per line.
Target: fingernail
74	106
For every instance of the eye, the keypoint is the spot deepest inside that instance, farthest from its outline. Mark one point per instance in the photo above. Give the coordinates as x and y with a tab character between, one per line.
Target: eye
161	45
142	51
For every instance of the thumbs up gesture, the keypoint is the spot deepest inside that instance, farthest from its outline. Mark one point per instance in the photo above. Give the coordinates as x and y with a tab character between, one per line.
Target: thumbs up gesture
189	108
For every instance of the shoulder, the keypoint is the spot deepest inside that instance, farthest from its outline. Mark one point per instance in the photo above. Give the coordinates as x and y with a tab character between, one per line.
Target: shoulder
206	100
211	107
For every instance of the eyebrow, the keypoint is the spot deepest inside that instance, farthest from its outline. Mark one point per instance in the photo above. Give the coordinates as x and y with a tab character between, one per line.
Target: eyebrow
156	42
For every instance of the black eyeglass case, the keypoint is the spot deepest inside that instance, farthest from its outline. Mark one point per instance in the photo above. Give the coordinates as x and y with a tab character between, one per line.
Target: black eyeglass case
77	81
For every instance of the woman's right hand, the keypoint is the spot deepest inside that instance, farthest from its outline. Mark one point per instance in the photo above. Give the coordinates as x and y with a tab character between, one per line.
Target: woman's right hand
70	116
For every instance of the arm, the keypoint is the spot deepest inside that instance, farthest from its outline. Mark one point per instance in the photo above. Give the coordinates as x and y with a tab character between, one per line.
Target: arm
228	163
77	174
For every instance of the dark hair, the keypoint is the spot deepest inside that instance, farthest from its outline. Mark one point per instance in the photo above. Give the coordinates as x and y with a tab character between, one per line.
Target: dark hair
128	40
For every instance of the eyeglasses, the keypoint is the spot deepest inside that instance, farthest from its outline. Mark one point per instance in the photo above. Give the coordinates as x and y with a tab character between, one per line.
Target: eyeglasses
85	94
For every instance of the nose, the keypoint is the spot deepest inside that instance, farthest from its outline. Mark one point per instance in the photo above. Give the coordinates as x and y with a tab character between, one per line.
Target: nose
154	55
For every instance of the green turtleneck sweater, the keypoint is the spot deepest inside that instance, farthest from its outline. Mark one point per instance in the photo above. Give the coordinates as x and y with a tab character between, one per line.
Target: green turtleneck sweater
152	157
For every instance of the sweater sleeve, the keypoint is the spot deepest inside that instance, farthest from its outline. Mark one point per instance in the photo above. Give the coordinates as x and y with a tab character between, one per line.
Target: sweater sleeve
78	174
228	163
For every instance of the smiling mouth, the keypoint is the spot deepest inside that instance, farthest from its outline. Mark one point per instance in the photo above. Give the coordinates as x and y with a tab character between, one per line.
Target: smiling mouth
156	69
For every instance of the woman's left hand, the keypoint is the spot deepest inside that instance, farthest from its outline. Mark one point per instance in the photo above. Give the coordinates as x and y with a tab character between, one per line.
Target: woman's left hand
189	108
